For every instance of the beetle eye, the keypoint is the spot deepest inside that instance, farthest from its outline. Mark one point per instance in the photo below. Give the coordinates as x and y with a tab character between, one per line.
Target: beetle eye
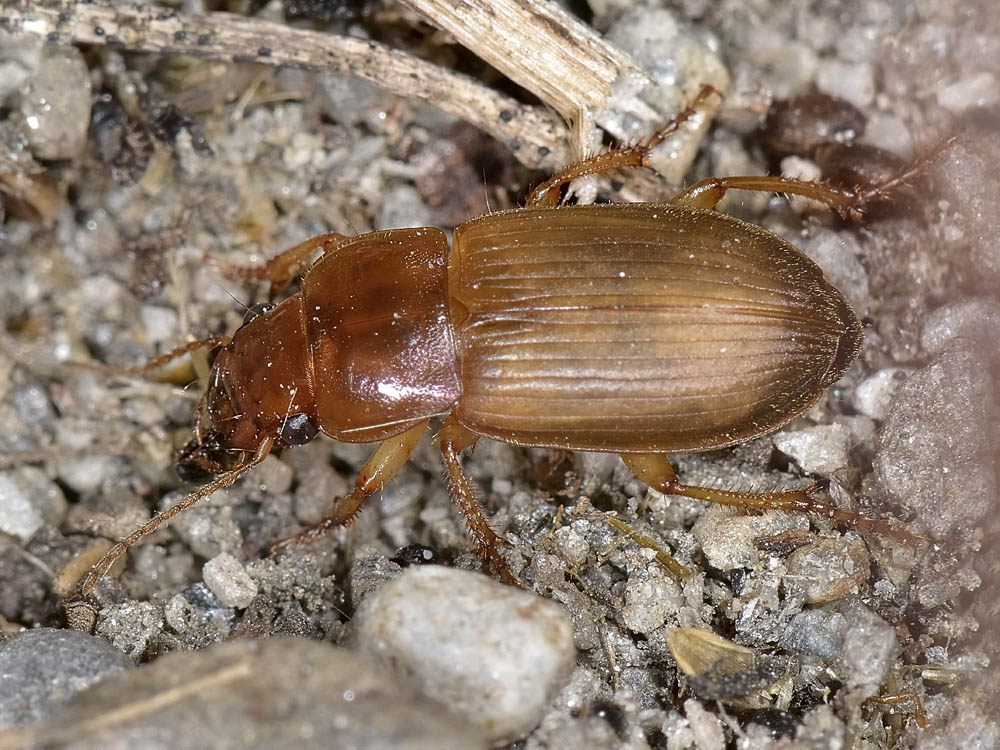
255	311
298	429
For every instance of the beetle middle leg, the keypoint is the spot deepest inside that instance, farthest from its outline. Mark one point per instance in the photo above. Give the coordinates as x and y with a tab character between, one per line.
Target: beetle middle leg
454	438
656	470
382	465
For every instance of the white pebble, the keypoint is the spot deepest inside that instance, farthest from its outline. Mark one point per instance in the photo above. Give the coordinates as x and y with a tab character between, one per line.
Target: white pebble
818	450
160	323
229	581
649	602
707	731
493	654
854	82
980	90
18	517
873	396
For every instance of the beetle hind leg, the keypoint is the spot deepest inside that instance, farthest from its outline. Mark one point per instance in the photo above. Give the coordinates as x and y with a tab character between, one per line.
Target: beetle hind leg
708	192
655	470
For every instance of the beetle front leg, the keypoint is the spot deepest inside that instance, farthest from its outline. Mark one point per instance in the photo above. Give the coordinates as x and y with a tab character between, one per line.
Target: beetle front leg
383	464
455	438
655	470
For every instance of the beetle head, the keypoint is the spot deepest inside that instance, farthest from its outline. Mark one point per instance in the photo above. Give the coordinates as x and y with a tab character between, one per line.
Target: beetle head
259	390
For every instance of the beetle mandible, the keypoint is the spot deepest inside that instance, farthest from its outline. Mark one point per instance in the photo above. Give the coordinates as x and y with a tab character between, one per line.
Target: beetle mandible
642	329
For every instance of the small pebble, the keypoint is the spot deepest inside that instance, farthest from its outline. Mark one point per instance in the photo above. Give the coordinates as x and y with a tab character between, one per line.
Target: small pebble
130	627
560	730
979	90
279	694
975	319
113	514
55	104
873	395
967	178
650	600
274	476
208	528
159	323
705	727
351	100
229	581
818	450
42	669
198	616
728	538
838	253
18	61
889	133
681	60
828	569
854	82
571	544
860	645
28	493
493	654
18	516
370	571
968	724
404	207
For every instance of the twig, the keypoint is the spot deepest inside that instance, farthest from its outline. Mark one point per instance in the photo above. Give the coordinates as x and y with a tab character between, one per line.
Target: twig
536	136
554	55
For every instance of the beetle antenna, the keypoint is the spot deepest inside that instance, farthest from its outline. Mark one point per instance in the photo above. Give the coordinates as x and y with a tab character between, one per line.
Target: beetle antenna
87	583
156	362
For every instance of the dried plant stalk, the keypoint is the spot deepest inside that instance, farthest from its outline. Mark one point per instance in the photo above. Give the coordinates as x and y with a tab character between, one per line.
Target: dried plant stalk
535	135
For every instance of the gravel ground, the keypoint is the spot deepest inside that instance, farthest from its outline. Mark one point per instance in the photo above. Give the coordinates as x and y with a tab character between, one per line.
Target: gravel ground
787	627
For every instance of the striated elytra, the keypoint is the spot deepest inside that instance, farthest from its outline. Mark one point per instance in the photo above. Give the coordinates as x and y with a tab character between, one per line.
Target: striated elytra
623	327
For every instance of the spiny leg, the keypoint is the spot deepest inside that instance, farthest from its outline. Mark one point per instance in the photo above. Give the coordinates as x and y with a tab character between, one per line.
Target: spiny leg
848	203
655	470
548	193
87	583
708	192
382	465
282	268
454	438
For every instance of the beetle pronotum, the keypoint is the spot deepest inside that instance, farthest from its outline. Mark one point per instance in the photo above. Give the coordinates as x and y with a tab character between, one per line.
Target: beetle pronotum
641	329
